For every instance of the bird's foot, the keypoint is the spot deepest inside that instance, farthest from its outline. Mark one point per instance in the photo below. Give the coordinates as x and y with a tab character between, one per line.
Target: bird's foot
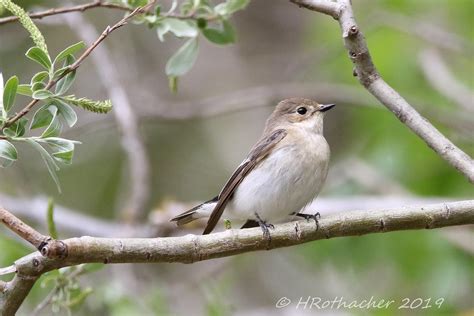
265	228
316	216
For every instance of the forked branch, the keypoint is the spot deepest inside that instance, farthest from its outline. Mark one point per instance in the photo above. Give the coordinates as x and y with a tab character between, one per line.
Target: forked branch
369	77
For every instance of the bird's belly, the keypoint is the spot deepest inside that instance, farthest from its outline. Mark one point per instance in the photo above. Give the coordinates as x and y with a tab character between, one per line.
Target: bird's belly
284	183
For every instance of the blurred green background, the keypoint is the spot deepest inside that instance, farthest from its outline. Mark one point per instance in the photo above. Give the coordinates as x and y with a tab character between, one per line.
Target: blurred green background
279	47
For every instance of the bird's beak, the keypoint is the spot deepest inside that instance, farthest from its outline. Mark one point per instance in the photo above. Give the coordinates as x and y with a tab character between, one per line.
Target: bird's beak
325	107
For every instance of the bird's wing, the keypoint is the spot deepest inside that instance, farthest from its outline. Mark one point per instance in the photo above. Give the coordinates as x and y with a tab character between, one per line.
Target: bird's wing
260	151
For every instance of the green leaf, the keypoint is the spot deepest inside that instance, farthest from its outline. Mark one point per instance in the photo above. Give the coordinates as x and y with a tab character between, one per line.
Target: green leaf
183	60
43	116
24	89
38	55
39	77
58	73
48	160
63	149
66	111
8	154
71	50
221	37
54	128
42	94
53	232
37	86
178	27
17	129
65	83
9	93
230	6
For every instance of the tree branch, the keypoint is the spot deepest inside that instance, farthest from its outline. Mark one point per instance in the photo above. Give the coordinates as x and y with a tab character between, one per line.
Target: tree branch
77	8
369	77
14	293
193	248
23	230
138	166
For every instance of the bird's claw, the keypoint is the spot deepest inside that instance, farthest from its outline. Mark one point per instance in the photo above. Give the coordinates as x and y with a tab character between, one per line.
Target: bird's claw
265	227
316	216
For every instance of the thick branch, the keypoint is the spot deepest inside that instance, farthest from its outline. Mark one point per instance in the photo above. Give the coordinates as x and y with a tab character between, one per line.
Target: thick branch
14	293
193	248
77	8
369	77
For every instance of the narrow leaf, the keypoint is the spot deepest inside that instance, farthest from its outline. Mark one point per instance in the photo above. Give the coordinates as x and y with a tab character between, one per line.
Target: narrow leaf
39	77
9	93
63	149
42	94
24	89
183	60
38	55
65	83
221	37
48	160
230	6
53	129
17	129
178	27
71	50
67	112
43	116
37	86
8	154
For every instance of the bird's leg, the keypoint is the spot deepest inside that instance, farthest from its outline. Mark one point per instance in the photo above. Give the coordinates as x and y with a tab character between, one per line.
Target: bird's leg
264	226
316	216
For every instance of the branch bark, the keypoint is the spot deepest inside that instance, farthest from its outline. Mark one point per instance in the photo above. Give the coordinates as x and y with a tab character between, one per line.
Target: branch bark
193	248
369	77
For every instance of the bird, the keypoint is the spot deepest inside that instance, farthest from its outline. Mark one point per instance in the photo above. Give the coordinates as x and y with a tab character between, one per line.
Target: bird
284	172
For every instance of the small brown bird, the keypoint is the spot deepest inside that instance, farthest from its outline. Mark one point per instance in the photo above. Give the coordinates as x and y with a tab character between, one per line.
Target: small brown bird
283	172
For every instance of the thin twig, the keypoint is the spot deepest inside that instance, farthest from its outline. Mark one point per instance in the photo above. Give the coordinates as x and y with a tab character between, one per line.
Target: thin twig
138	165
369	77
78	62
23	230
77	8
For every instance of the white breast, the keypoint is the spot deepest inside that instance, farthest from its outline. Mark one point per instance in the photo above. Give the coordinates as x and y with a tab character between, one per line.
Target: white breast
286	181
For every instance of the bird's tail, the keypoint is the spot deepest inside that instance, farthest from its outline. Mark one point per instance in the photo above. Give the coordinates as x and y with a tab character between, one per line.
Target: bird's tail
199	211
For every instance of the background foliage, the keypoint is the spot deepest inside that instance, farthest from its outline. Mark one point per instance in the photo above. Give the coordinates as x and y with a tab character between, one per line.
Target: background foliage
274	44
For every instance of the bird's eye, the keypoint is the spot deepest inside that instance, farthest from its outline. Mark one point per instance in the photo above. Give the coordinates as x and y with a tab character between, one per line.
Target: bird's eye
301	110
